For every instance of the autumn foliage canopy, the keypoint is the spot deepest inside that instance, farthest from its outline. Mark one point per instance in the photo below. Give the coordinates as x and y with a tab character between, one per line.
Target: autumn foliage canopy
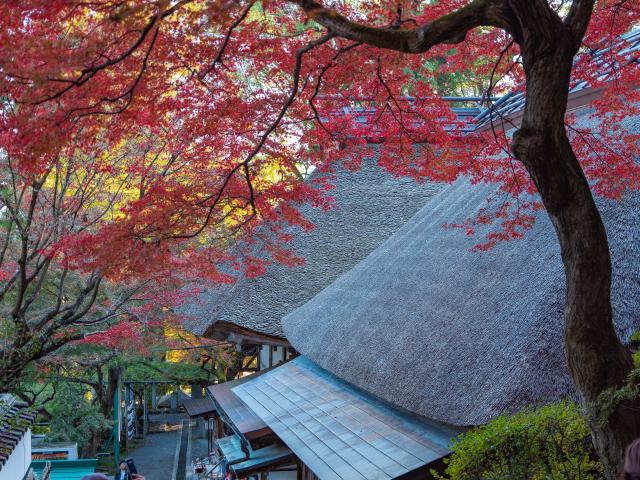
202	118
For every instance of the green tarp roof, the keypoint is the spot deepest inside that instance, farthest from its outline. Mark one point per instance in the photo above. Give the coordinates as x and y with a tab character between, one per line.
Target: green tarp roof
66	469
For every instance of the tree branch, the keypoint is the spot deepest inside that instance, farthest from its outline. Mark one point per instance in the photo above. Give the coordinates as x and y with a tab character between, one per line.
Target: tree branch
450	28
244	165
218	59
89	72
578	19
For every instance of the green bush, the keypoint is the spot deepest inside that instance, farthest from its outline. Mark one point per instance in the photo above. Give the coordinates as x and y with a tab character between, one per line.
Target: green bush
627	393
548	443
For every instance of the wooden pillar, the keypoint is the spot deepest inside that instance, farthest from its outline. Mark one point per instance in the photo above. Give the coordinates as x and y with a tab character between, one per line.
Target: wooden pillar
196	391
145	413
174	401
154	397
209	426
219	431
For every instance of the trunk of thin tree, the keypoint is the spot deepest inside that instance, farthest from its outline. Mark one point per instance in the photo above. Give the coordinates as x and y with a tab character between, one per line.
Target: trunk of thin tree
596	357
93	446
105	393
113	381
12	365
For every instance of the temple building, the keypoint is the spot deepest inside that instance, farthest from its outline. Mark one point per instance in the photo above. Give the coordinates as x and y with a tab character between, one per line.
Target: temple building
398	335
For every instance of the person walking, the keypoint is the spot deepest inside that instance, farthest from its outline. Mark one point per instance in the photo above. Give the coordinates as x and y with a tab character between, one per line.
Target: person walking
125	474
631	469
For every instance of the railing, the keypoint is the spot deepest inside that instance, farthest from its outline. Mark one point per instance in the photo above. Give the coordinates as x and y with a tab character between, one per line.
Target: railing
210	468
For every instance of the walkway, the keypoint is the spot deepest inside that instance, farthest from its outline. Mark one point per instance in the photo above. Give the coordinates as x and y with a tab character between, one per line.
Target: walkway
168	455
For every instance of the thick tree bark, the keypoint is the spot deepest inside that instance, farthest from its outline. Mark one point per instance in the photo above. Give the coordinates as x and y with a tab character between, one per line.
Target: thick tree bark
596	357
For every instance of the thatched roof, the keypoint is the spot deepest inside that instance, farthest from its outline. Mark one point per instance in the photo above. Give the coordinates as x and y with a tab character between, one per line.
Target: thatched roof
454	335
370	205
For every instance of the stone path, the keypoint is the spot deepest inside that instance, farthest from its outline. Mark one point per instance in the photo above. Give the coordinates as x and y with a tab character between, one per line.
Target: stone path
155	458
168	455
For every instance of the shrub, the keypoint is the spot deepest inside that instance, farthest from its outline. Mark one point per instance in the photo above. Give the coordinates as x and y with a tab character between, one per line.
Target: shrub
548	443
627	393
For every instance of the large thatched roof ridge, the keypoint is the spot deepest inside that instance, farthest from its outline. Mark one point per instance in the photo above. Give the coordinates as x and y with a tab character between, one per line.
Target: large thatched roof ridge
454	335
370	205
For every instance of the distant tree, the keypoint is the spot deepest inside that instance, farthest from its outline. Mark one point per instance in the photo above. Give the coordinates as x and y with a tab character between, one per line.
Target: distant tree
249	91
92	373
74	418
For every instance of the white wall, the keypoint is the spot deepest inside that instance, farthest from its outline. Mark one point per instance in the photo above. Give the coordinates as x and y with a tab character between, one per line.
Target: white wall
264	357
19	460
276	357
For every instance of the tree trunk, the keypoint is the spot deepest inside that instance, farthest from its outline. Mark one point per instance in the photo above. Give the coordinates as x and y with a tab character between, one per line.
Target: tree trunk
596	357
93	446
104	393
12	364
113	381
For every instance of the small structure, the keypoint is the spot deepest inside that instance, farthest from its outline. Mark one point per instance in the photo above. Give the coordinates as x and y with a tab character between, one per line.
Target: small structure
15	438
238	437
198	407
173	400
203	411
54	451
297	420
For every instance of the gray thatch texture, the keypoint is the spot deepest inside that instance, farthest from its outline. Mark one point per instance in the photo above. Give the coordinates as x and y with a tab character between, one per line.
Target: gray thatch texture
453	335
370	205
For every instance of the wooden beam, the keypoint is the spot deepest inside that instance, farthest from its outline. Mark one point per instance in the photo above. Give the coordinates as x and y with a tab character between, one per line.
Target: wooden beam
229	332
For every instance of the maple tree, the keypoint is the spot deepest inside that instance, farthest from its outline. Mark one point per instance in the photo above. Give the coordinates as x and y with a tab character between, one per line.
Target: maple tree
53	290
240	95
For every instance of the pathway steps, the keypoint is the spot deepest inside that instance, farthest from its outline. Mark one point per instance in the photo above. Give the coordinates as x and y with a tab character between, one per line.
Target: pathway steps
169	455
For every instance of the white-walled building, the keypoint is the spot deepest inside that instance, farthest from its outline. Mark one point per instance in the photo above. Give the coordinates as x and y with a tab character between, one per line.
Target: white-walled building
15	438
